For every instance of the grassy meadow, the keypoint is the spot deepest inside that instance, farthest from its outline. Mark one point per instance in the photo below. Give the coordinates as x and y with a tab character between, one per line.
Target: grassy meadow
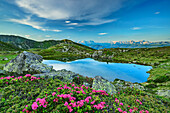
35	95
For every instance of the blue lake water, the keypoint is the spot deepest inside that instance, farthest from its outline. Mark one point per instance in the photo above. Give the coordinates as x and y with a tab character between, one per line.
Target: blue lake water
91	68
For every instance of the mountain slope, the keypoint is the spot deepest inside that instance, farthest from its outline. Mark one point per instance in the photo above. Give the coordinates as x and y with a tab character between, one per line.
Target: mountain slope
66	50
18	41
7	47
25	43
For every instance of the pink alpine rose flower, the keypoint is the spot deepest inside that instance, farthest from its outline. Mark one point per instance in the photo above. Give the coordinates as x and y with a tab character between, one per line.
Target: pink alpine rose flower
121	104
70	110
93	102
34	106
66	103
53	93
27	75
135	108
119	109
146	111
130	110
137	100
23	110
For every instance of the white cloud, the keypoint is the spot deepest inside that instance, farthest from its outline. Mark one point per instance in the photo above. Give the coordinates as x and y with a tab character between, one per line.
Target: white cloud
102	33
136	28
56	30
74	24
157	13
71	9
67	22
27	36
29	22
98	22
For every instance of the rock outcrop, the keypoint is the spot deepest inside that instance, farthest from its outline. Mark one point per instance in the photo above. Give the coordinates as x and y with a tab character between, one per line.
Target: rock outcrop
27	63
121	84
1	72
99	83
63	75
86	84
97	54
4	59
165	93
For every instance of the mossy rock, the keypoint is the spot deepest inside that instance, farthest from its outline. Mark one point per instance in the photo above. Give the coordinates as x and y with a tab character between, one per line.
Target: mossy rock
99	83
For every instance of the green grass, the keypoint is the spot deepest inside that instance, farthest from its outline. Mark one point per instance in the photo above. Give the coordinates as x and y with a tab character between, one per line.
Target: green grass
10	55
56	52
158	58
159	79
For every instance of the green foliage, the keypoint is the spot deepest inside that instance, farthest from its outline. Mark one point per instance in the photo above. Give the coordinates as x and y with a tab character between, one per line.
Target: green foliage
17	94
67	51
25	43
81	79
163	78
9	55
158	58
8	47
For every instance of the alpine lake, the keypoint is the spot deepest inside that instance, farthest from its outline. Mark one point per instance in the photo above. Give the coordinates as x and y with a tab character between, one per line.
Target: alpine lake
110	71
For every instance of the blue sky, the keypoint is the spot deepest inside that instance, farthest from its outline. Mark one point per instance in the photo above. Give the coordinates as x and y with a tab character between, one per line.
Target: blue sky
98	20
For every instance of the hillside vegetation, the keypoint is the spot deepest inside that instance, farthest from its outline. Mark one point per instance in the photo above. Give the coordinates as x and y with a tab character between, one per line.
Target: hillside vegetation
8	47
38	95
25	43
31	94
158	58
67	51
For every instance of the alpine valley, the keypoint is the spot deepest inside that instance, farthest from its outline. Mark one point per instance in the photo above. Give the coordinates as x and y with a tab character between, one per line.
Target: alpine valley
20	57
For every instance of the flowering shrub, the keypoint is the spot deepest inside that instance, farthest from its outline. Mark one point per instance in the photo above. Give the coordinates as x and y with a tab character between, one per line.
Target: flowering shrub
69	98
36	95
80	79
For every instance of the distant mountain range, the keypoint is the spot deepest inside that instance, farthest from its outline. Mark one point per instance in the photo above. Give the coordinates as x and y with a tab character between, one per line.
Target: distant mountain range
124	44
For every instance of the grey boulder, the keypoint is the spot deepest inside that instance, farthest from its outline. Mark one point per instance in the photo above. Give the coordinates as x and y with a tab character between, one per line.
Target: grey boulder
5	59
27	62
165	93
1	72
121	84
99	83
63	75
